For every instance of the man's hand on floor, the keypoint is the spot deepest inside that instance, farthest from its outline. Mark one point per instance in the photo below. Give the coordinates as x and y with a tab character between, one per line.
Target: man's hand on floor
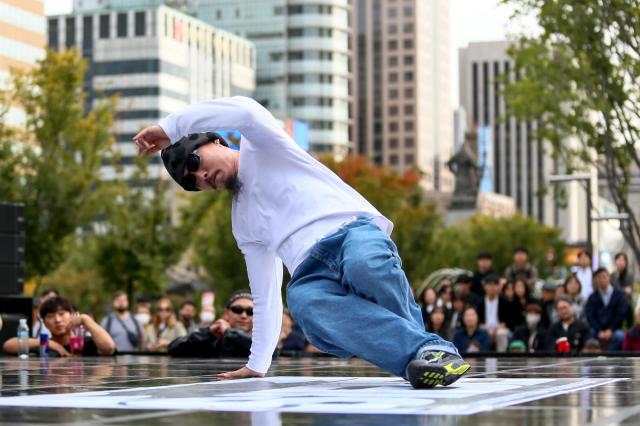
242	373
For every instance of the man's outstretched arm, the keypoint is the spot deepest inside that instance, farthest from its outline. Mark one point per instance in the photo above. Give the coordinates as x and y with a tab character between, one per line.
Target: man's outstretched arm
239	113
265	279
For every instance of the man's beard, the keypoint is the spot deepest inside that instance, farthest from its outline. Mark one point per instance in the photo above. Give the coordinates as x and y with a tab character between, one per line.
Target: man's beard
233	185
122	310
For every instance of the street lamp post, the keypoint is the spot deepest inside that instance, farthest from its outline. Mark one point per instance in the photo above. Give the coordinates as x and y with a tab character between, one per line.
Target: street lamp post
579	177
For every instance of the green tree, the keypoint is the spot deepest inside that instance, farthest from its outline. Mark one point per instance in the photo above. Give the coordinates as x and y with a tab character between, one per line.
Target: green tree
52	165
578	78
137	242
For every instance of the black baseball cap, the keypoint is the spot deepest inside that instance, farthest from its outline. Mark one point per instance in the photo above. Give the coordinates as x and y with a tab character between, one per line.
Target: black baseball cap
175	156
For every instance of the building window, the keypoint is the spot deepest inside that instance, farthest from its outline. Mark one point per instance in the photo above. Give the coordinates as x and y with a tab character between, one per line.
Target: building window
407	11
393	159
393	44
393	94
393	61
237	12
408	142
393	110
122	25
87	33
392	12
393	28
408	76
408	109
393	143
140	24
408	43
53	33
408	159
393	126
407	28
70	32
393	77
218	14
104	26
408	60
408	126
408	93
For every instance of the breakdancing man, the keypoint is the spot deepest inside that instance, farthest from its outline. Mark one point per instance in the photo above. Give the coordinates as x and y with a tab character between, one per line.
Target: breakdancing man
348	291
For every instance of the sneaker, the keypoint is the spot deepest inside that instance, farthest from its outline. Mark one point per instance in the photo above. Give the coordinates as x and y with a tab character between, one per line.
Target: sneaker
434	368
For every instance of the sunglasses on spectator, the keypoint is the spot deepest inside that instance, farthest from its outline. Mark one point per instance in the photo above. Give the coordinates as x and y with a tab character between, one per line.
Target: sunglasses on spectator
166	309
239	310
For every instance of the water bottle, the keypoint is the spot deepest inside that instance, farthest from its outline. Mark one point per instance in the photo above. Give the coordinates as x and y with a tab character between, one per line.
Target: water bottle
23	339
44	345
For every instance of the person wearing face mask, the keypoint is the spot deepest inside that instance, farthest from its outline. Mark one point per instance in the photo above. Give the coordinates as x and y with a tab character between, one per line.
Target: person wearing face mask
207	316
143	315
532	333
228	337
124	328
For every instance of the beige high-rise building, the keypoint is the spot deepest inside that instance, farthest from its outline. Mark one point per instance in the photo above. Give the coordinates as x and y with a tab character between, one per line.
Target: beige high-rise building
22	41
402	87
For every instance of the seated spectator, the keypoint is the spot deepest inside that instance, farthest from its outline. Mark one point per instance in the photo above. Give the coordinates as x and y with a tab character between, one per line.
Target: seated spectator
494	313
573	289
291	337
584	273
575	330
463	288
632	336
549	314
459	303
123	327
438	323
187	316
38	325
484	267
164	328
207	316
516	315
470	337
229	336
445	298
427	300
592	346
606	310
143	315
534	336
622	278
522	267
58	316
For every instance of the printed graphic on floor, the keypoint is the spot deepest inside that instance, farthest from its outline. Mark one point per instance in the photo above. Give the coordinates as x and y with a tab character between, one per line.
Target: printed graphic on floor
349	395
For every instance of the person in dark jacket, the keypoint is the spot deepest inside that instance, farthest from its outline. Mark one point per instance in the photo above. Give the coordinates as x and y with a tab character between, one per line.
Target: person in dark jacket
470	337
606	311
493	312
575	330
532	333
484	268
228	337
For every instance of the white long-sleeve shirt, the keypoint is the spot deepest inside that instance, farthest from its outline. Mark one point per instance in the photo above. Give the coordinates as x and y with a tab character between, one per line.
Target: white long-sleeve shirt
288	201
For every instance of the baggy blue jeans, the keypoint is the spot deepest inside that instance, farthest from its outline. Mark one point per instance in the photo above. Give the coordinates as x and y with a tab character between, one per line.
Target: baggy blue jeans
351	297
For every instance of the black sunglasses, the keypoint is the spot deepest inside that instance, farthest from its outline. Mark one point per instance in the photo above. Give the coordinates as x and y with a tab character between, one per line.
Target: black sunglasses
192	165
239	310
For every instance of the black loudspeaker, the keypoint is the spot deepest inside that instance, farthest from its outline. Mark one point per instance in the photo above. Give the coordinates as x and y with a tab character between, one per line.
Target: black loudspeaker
12	309
12	248
11	218
11	278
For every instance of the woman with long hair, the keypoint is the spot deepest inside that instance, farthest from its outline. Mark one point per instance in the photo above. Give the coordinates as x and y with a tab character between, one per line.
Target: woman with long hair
438	322
622	278
164	327
573	289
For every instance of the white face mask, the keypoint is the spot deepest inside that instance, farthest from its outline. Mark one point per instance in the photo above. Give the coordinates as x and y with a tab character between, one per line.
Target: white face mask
143	319
533	319
207	316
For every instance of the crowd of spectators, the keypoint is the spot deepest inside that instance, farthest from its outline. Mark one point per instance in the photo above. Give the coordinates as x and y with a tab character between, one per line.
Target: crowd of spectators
516	311
482	311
